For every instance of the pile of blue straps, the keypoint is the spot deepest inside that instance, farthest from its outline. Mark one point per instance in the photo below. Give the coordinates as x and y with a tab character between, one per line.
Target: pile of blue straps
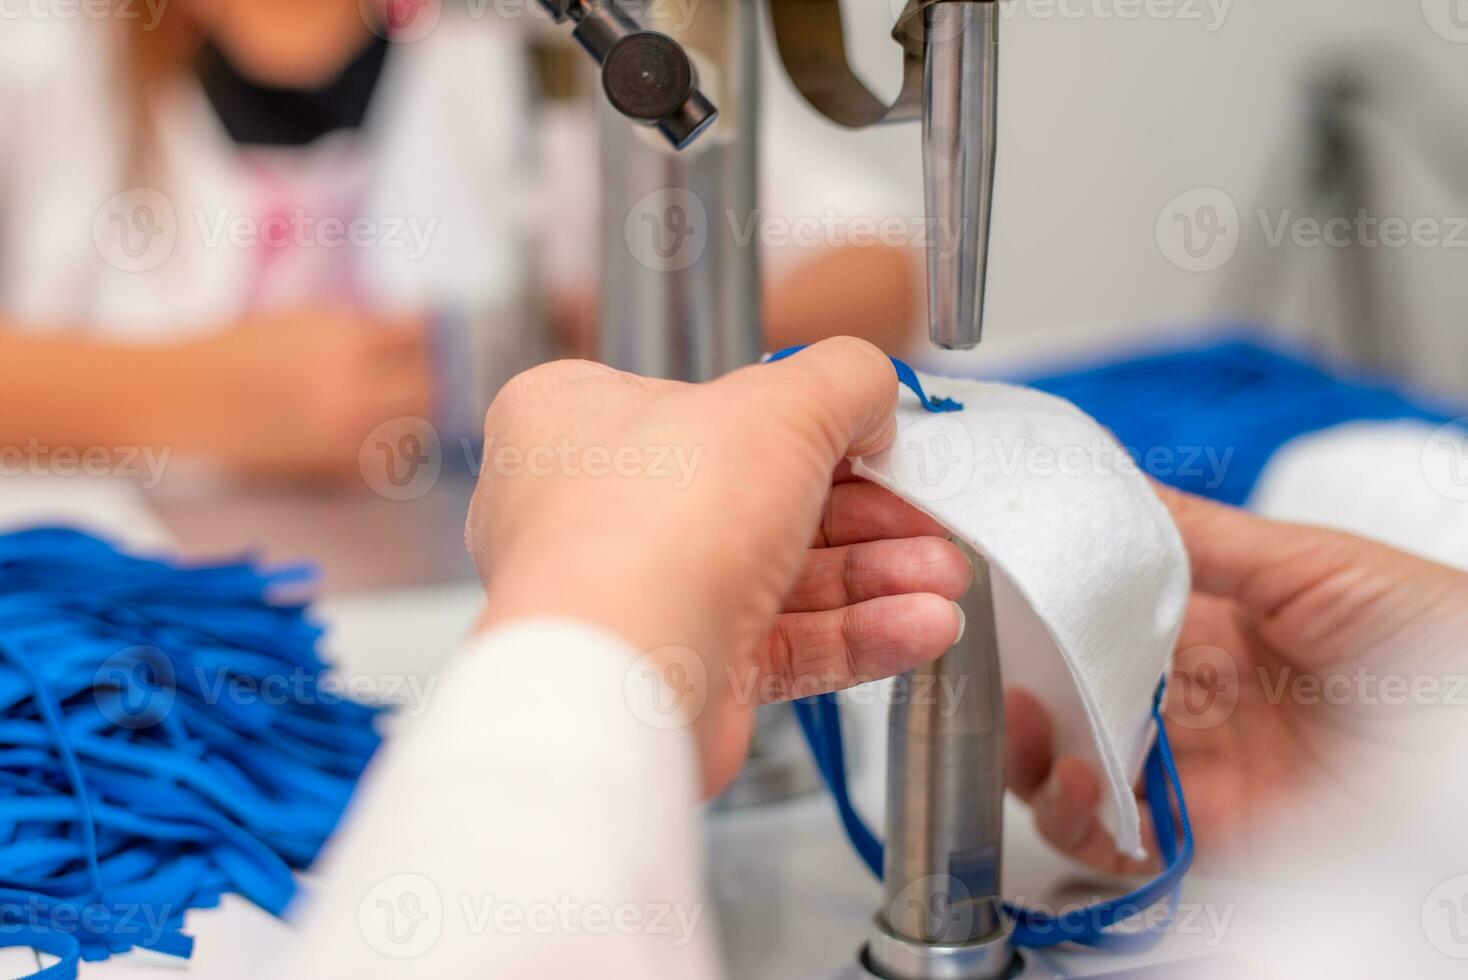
167	735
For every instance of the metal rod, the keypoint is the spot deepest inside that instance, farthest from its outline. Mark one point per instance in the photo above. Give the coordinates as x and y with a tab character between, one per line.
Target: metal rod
941	917
960	105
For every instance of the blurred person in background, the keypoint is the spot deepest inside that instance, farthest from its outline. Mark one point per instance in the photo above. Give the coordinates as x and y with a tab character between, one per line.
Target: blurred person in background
235	228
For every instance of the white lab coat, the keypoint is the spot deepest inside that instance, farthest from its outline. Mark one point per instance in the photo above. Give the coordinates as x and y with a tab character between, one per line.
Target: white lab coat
443	151
537	821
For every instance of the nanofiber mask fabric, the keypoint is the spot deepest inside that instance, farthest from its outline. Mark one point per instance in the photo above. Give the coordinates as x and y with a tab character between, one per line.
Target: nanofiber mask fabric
1090	577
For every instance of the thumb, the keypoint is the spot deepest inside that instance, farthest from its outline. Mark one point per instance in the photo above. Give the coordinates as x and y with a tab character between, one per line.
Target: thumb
840	394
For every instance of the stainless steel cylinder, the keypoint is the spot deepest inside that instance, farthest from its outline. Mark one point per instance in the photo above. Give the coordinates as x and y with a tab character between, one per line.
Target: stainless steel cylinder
941	917
680	256
960	123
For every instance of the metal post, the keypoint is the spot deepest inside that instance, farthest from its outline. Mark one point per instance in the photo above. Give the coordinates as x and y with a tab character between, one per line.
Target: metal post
941	917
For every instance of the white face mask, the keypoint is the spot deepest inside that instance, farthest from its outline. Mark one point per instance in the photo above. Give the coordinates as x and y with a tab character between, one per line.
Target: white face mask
1090	577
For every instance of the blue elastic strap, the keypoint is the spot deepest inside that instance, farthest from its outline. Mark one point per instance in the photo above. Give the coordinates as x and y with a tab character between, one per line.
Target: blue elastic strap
1095	925
1086	926
905	374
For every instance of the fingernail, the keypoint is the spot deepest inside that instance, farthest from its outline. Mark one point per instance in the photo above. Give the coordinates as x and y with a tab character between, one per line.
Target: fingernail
962	621
968	563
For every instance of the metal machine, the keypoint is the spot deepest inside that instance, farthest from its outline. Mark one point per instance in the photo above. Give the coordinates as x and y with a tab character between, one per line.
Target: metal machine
684	303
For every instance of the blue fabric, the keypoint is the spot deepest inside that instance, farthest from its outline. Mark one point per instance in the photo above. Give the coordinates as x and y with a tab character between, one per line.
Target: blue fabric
1231	396
166	737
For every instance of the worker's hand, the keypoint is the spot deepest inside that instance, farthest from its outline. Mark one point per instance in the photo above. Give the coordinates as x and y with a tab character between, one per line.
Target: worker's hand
295	395
1295	640
702	521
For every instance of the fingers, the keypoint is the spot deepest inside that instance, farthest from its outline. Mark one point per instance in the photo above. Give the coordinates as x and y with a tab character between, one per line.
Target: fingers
1261	563
1067	814
1028	744
836	577
1319	595
1225	546
839	395
860	511
817	652
1063	793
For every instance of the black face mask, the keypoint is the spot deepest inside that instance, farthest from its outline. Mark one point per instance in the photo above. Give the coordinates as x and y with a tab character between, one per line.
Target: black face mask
265	115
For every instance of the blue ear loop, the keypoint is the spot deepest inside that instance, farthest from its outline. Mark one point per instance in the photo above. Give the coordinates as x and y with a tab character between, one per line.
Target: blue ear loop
1103	925
128	797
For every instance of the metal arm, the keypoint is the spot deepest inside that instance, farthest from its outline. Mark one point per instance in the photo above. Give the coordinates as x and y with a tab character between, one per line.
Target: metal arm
960	105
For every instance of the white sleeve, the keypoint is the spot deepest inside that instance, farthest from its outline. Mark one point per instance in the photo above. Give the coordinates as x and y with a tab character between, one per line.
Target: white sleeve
527	824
